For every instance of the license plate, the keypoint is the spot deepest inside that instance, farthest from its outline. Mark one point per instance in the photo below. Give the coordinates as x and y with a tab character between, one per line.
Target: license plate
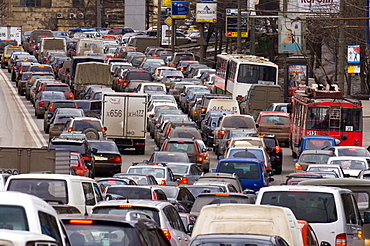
101	158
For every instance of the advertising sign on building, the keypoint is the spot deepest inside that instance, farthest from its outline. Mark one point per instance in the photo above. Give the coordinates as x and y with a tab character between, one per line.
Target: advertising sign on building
353	54
166	39
297	78
290	34
232	23
206	12
318	6
180	10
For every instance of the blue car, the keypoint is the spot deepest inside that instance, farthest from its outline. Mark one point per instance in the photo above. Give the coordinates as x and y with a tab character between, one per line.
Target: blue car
251	172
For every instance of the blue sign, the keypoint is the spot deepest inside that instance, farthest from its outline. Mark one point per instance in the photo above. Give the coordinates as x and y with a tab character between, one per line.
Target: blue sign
180	10
168	11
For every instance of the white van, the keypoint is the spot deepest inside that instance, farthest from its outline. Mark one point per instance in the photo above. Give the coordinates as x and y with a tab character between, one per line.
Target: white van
249	219
88	46
23	212
80	192
332	212
224	105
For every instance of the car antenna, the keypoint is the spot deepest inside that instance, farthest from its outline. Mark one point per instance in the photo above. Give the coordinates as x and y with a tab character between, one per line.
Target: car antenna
127	201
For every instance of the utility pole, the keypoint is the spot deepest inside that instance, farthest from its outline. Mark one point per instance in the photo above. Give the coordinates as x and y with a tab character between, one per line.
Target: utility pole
341	48
159	22
239	25
98	13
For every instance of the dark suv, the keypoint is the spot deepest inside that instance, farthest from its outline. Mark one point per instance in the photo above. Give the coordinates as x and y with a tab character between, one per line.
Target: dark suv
79	146
275	152
133	228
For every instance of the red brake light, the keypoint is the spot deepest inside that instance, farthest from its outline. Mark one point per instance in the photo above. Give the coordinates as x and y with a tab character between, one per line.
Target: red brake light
69	129
195	112
222	194
125	206
163	182
340	240
183	180
125	83
115	159
203	110
200	158
41	104
86	158
81	221
221	133
180	141
167	233
103	130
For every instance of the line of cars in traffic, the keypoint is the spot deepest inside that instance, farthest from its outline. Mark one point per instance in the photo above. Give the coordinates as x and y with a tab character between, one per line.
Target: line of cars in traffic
247	161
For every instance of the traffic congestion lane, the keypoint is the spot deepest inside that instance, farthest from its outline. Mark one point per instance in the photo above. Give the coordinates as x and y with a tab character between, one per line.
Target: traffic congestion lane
18	132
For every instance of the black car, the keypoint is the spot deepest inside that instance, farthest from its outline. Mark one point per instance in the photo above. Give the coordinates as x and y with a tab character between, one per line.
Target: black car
91	108
107	157
135	228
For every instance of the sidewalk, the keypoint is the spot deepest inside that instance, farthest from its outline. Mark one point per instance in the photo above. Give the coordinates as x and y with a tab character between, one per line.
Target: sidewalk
366	108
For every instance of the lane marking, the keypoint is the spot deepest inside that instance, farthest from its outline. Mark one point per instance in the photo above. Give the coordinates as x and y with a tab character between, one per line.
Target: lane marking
27	117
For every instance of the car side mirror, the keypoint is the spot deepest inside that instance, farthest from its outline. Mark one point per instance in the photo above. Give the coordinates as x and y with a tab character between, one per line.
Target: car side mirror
94	151
324	243
271	179
156	149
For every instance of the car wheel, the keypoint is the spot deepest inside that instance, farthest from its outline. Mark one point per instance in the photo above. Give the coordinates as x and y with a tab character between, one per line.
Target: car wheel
91	134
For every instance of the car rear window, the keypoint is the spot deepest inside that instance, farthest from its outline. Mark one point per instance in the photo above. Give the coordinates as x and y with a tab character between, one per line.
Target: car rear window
48	189
122	210
130	192
103	232
103	146
45	69
170	157
72	146
202	201
180	133
187	147
244	170
156	172
53	96
313	207
246	153
64	105
61	88
278	120
13	218
353	152
80	125
238	122
139	75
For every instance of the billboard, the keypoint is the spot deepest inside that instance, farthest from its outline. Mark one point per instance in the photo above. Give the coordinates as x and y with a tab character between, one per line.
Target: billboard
319	6
232	23
180	10
297	78
290	34
206	12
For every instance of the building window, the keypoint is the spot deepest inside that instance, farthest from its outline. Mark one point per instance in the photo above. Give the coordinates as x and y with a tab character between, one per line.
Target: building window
77	3
36	3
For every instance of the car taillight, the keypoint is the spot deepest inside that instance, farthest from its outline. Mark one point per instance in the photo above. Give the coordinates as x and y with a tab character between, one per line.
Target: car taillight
51	108
14	68
125	83
298	167
70	95
340	240
115	159
239	98
203	110
154	196
103	130
277	149
168	86
41	104
167	233
200	158
212	132
69	129
163	182
183	180
86	158
360	234
220	134
64	70
119	81
195	112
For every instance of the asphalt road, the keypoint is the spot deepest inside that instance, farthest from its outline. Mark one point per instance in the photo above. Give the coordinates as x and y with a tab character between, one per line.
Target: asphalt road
22	129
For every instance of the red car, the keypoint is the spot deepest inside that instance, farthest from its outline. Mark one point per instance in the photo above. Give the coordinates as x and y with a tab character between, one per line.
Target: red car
78	164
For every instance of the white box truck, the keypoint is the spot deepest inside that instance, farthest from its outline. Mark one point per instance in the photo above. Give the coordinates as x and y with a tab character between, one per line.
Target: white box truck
124	115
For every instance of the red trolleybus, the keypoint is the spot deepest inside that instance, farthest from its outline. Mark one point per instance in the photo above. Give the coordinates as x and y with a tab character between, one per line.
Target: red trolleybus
326	113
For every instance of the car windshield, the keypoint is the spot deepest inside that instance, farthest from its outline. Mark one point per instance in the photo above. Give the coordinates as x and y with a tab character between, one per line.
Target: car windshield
122	210
13	218
246	153
353	152
156	172
244	170
313	207
108	234
47	189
